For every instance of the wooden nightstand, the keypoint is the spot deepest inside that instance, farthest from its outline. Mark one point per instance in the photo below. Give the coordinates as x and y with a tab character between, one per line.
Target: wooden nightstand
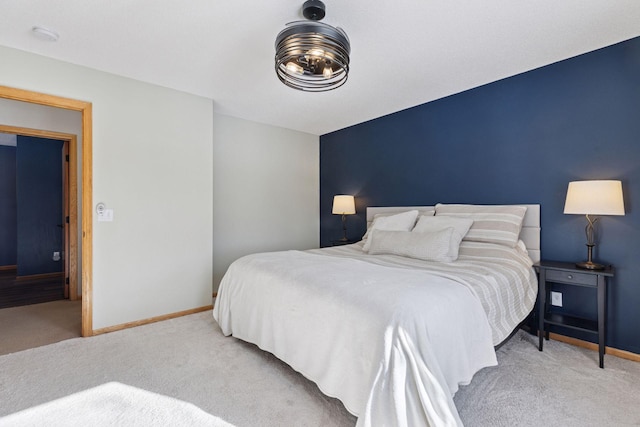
568	274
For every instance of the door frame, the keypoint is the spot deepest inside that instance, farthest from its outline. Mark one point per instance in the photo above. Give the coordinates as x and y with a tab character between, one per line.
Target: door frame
70	196
85	109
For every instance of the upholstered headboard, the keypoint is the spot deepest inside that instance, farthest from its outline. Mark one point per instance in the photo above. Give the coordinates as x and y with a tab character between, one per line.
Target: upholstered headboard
530	233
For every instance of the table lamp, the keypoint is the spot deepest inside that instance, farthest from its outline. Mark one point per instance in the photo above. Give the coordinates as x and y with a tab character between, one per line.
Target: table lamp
343	205
602	197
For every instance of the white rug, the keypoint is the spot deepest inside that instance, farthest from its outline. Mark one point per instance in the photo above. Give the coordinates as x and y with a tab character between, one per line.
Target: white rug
114	404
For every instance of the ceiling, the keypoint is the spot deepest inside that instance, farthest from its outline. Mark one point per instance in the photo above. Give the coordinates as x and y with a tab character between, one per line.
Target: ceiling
404	53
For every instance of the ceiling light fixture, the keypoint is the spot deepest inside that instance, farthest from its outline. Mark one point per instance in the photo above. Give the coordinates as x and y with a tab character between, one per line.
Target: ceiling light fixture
310	55
45	33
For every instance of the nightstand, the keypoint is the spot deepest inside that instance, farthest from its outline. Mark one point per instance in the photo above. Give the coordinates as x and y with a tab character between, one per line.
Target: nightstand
342	242
568	274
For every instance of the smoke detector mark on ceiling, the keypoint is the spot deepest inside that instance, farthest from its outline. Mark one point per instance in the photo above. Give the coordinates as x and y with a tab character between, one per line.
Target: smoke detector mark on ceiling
45	33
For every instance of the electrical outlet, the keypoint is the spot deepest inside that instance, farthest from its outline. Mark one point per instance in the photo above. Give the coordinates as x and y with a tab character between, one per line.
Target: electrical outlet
556	299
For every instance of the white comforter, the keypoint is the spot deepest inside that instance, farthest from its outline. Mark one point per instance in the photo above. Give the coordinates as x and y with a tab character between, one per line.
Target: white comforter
392	344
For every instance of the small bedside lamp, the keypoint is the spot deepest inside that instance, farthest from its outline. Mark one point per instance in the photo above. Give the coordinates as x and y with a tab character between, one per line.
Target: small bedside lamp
593	198
343	205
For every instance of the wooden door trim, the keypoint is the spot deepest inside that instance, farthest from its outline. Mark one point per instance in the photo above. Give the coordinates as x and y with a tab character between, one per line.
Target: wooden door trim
85	108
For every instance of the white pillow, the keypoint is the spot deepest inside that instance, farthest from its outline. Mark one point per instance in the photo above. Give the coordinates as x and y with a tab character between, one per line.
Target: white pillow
499	224
424	246
432	224
399	222
428	212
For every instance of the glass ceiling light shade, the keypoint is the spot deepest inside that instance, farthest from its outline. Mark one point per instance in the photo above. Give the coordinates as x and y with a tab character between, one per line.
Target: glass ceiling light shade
310	55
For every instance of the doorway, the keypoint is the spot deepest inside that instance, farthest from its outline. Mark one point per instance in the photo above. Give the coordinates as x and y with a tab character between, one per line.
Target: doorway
42	276
85	108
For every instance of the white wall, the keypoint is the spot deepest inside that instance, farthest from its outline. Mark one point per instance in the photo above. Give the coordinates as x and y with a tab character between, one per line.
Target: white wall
265	190
43	117
152	164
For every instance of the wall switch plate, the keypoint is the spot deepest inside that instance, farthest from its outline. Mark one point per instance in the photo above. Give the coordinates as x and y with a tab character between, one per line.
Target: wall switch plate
106	215
556	299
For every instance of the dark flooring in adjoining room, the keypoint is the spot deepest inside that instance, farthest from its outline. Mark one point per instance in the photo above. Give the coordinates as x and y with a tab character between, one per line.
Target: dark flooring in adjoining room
15	291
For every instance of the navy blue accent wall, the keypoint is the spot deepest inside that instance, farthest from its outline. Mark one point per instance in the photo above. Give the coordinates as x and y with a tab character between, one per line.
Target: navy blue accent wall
39	204
8	239
518	140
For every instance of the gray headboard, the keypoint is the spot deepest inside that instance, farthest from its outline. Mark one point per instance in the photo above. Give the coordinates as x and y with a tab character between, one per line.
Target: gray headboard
530	233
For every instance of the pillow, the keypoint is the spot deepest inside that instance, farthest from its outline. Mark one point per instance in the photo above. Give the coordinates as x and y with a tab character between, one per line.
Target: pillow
432	224
399	222
425	246
428	212
499	224
522	246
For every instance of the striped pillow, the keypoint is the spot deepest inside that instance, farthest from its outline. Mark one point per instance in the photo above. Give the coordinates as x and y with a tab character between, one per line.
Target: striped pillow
499	224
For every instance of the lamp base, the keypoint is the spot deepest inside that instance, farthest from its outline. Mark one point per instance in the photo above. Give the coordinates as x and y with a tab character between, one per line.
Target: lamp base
588	265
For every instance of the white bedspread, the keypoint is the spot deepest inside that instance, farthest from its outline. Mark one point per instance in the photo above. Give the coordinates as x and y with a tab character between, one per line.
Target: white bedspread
502	278
392	344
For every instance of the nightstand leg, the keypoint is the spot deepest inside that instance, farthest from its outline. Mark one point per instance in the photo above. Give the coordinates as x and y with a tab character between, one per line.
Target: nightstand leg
602	316
542	296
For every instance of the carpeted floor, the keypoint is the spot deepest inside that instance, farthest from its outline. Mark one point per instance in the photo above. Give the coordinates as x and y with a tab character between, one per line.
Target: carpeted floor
35	325
561	386
189	359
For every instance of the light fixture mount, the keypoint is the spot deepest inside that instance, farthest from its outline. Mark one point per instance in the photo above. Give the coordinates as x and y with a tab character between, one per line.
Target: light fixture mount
310	55
313	10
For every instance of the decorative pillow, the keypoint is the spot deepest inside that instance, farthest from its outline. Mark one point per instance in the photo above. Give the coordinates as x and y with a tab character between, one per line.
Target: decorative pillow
424	246
428	212
432	224
499	224
399	222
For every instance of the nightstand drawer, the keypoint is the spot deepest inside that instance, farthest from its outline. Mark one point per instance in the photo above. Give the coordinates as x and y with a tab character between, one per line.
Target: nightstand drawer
571	277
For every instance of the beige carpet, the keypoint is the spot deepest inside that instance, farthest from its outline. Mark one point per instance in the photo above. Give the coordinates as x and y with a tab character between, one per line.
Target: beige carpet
189	359
186	358
36	325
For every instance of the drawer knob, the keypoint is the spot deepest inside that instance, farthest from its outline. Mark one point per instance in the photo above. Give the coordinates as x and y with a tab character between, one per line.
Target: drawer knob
569	276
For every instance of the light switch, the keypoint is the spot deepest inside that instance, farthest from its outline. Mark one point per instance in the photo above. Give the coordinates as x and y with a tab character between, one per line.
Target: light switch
106	215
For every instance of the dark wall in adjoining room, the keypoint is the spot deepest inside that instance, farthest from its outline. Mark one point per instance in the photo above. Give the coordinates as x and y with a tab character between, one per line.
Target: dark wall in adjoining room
8	234
39	205
518	140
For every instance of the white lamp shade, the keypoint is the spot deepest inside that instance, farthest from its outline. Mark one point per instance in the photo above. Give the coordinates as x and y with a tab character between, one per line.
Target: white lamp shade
343	205
594	198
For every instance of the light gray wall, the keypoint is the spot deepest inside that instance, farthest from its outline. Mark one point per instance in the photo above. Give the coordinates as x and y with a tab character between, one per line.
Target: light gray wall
43	117
191	190
265	190
152	164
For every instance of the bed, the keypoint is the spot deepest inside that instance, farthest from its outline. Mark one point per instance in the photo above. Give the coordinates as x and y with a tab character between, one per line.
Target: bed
386	326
